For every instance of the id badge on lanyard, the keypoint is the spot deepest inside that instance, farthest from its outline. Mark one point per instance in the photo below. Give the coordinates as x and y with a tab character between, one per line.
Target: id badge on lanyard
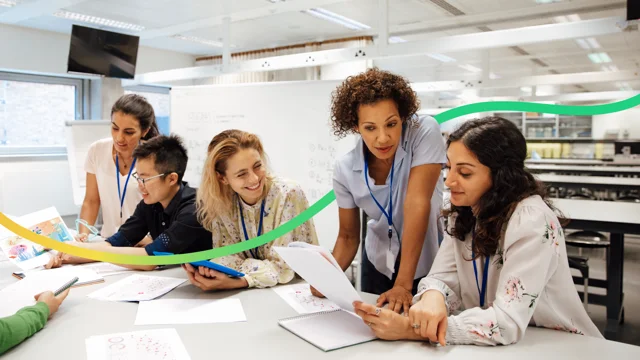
123	193
391	234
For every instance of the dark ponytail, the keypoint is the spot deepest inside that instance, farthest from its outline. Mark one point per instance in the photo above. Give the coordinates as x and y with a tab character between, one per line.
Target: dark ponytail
138	107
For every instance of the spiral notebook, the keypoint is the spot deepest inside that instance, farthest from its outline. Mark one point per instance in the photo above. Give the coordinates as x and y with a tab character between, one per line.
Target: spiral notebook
329	330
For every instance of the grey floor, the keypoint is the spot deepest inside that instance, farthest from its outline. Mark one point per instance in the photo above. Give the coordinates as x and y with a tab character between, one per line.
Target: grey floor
630	330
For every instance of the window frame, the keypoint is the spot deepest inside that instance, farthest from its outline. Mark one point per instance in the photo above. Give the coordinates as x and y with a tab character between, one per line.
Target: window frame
18	151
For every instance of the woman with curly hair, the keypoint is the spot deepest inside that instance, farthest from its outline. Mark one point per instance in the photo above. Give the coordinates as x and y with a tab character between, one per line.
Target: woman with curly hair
394	175
503	263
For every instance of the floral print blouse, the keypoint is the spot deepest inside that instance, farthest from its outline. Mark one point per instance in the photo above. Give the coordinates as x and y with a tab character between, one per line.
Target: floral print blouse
529	282
262	266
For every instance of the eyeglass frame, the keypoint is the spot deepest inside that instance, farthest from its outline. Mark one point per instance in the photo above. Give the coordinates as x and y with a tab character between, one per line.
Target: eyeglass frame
142	181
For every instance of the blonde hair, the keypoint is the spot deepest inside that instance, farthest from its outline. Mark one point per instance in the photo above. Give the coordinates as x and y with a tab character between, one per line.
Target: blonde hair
213	197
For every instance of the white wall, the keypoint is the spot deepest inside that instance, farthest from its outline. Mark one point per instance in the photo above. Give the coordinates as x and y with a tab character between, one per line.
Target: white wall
343	70
48	183
628	119
27	186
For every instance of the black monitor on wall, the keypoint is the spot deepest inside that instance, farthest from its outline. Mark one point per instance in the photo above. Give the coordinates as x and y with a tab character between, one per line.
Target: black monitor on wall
101	52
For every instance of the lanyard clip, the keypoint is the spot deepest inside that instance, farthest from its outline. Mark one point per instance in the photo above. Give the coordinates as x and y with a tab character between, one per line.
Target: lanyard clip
390	233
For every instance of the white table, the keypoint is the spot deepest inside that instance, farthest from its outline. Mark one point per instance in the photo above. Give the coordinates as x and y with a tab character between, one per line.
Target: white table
583	169
260	337
618	219
584	162
612	183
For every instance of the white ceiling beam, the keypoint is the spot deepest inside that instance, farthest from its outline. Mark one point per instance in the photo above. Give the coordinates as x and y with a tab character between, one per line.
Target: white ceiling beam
226	35
559	79
508	16
435	72
418	61
477	41
602	96
33	9
512	37
383	25
250	14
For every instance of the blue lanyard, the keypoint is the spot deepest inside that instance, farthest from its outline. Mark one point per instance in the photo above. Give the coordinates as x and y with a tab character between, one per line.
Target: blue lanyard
124	192
484	275
244	228
390	215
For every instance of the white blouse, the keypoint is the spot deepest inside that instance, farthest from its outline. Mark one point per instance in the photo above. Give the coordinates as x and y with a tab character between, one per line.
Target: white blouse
100	162
529	282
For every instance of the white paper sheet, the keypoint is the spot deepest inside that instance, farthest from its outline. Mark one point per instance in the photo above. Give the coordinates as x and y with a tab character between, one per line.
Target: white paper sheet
321	273
299	297
189	311
11	303
159	344
38	281
137	287
21	293
105	269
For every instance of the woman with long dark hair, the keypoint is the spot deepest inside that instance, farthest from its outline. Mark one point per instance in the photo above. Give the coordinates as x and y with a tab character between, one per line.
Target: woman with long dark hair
503	263
110	163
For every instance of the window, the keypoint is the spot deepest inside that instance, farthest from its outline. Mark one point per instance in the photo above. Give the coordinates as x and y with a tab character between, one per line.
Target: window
33	112
160	99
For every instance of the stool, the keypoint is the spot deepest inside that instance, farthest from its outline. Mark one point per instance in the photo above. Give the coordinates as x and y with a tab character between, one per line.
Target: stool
581	264
630	198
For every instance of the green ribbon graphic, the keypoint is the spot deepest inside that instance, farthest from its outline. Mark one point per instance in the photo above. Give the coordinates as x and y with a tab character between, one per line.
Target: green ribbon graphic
316	207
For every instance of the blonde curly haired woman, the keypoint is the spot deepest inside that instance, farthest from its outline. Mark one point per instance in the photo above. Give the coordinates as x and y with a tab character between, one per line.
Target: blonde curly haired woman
238	200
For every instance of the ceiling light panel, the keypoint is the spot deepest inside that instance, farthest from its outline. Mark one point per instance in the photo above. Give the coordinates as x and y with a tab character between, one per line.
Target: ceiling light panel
97	20
337	19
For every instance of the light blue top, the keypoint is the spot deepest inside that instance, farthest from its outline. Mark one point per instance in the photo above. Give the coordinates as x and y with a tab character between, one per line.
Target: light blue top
422	144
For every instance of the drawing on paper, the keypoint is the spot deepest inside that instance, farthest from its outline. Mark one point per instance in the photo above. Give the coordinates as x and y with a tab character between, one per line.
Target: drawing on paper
18	249
138	346
312	303
300	298
158	344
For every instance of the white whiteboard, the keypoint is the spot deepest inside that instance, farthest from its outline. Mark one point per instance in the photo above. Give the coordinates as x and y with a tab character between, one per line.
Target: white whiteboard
80	135
292	120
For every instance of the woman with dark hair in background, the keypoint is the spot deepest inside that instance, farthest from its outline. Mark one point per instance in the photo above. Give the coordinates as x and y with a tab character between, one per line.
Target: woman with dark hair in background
503	263
110	163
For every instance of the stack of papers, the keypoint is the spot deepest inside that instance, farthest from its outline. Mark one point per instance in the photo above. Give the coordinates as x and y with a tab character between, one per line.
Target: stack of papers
137	288
320	269
104	268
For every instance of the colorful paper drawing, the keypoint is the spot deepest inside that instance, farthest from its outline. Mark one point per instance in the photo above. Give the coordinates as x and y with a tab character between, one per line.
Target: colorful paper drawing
22	252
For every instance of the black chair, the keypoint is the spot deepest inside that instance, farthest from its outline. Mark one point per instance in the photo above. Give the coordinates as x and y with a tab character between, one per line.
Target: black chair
630	198
581	264
585	239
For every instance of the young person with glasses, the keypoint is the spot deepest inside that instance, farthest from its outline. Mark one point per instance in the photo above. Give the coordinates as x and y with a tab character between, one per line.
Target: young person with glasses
167	210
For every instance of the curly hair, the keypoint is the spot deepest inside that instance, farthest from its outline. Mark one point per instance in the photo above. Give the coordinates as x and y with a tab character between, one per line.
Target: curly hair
368	88
500	146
